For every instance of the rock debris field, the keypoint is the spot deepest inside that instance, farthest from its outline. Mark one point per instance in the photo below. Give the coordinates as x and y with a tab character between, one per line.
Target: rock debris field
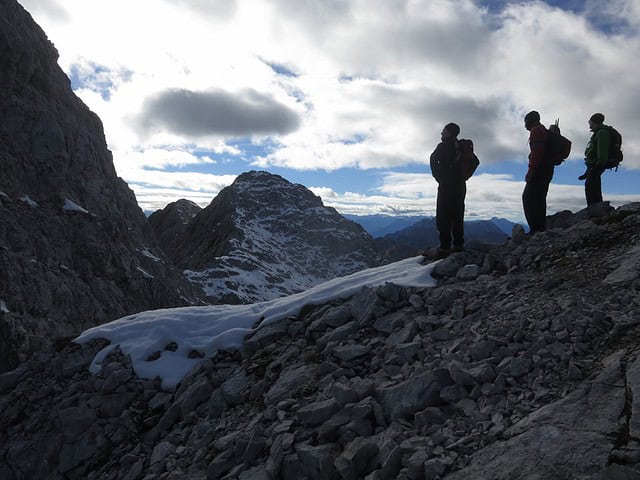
522	363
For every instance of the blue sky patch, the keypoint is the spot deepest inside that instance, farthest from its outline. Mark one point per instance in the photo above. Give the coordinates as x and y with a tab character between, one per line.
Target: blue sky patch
281	69
97	78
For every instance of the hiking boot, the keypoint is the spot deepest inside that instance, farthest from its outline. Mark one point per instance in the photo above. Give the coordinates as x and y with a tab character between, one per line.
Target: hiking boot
457	248
441	253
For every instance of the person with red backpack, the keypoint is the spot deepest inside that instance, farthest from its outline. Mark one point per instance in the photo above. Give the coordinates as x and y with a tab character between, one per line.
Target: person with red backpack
539	174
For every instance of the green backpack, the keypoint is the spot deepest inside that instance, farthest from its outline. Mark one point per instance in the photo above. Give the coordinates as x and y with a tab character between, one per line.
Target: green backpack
615	148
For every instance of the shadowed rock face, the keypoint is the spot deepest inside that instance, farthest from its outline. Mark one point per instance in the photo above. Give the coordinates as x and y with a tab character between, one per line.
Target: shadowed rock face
170	222
75	248
264	237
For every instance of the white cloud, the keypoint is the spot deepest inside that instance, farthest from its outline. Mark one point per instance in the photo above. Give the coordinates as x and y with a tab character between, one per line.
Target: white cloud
46	8
375	80
487	196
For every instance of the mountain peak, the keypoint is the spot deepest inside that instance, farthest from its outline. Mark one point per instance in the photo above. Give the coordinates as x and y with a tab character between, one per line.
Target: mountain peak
267	190
264	237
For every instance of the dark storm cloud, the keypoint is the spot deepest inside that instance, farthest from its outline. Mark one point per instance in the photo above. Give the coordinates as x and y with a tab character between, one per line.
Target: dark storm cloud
199	114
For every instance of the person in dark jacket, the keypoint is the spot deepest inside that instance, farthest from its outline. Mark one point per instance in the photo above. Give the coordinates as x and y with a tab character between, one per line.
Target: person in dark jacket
452	190
595	158
539	175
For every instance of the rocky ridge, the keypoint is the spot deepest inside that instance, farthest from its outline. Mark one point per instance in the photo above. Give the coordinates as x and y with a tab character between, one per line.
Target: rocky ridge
523	363
75	248
264	237
170	223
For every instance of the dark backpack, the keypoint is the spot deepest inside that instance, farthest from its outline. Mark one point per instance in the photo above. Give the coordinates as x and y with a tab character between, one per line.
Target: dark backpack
557	148
466	160
615	148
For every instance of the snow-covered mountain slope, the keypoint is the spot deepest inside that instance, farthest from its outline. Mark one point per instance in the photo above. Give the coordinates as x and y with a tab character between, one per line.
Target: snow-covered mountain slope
264	237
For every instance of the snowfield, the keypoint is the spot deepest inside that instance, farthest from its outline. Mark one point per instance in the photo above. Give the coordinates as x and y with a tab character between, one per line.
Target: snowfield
207	329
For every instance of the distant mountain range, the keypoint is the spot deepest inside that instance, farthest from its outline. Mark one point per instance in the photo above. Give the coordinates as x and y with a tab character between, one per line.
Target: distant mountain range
506	225
380	225
424	234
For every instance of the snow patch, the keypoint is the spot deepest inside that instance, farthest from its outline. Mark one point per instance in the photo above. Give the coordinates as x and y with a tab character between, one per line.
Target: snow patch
211	328
29	201
70	206
3	307
147	253
145	273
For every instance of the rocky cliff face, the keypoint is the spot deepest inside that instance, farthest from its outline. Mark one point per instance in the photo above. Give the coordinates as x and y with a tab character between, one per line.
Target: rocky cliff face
75	248
170	223
524	362
264	237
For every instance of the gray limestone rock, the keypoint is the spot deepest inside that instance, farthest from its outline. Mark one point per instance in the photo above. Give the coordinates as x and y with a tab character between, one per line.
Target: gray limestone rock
317	412
561	440
363	305
517	233
160	451
406	398
290	380
628	270
358	459
234	390
468	272
338	334
265	335
449	266
348	353
317	462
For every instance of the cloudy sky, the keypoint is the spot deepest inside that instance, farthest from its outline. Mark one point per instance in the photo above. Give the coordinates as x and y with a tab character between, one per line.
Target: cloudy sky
348	97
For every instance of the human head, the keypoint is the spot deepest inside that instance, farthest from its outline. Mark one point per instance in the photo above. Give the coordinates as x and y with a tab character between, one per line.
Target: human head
450	130
596	120
531	119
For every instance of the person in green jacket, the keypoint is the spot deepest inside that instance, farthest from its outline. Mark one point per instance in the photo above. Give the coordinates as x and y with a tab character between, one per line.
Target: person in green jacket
595	157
